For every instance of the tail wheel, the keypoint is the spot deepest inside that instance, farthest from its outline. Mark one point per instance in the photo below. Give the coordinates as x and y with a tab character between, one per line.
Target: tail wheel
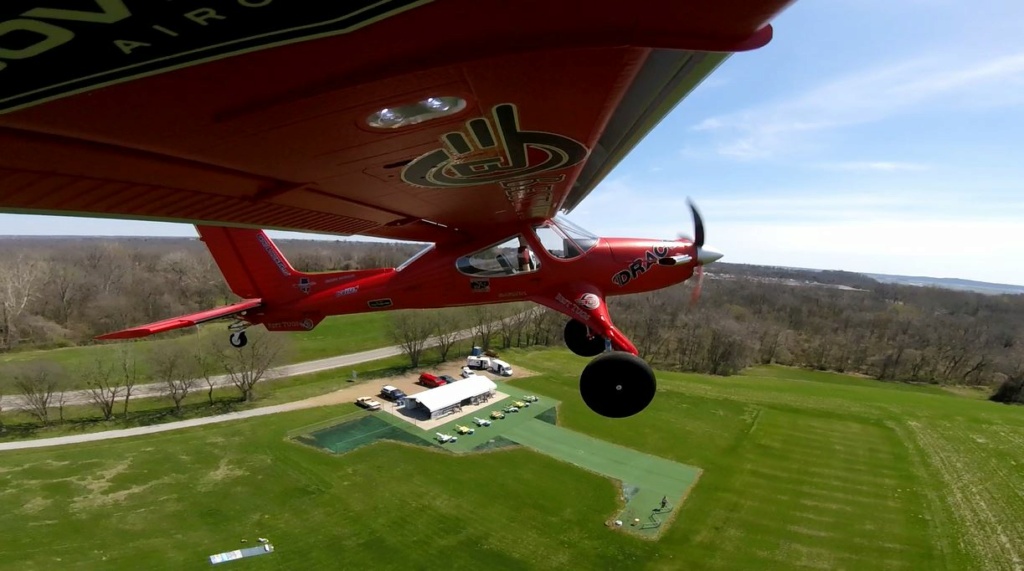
617	384
579	340
238	339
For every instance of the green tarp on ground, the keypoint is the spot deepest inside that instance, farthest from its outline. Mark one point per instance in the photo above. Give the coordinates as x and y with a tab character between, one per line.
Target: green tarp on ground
652	477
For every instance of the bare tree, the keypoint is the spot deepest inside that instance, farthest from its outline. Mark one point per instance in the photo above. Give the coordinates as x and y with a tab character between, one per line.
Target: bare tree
410	329
104	386
173	366
64	280
62	401
205	364
446	331
18	280
483	317
129	369
248	365
37	382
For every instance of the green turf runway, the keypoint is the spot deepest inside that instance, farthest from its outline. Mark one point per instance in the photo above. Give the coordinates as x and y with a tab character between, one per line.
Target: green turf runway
655	477
482	435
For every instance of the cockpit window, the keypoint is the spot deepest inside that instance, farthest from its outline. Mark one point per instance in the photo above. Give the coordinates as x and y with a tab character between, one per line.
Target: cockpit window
564	239
509	258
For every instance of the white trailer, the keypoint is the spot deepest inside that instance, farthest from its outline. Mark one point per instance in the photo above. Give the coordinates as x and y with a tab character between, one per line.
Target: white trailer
478	362
501	367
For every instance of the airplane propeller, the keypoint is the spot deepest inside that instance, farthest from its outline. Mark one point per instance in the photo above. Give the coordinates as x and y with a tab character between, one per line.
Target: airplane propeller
705	254
698	225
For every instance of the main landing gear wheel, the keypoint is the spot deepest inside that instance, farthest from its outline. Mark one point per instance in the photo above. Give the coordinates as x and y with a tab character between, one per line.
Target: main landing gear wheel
238	339
617	384
579	340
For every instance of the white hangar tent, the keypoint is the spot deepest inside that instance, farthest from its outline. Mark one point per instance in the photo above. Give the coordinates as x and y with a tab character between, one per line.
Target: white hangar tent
449	398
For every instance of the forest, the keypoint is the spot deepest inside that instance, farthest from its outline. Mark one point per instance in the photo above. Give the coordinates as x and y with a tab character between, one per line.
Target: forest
59	291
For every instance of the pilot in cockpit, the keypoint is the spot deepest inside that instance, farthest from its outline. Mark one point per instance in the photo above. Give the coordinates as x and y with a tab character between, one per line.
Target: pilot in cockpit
524	257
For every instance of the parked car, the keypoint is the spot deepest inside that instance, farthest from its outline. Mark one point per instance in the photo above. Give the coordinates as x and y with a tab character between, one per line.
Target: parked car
431	381
447	378
368	403
392	393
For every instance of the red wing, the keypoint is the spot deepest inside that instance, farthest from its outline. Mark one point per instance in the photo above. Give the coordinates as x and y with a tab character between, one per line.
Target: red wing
183	321
272	128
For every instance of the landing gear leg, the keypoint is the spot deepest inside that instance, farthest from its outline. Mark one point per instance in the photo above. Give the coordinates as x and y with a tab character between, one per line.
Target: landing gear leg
617	384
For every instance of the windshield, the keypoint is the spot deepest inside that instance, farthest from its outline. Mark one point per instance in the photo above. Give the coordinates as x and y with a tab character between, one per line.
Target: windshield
563	239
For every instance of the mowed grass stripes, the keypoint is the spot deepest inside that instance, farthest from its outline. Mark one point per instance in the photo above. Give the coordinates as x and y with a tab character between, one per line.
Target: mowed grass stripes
800	471
808	496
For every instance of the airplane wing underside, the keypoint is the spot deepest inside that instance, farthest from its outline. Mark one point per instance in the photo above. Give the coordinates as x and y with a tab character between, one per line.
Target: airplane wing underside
405	119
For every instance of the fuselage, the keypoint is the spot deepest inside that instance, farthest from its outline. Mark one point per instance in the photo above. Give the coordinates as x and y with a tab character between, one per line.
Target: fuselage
442	277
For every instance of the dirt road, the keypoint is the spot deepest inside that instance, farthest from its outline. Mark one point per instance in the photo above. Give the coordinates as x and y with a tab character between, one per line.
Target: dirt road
152	390
406	382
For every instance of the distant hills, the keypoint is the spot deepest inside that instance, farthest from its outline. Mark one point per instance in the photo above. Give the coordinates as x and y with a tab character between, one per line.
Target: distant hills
950	283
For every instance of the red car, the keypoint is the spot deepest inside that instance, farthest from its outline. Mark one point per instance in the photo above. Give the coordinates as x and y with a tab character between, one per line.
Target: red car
431	381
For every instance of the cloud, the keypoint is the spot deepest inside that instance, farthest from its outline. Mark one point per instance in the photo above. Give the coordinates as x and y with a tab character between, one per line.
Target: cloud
881	166
867	96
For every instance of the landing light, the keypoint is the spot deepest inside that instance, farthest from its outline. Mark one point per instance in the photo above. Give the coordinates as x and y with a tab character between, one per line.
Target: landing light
414	113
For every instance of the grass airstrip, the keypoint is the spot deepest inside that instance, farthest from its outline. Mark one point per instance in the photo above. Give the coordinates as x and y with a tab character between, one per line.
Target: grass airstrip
800	471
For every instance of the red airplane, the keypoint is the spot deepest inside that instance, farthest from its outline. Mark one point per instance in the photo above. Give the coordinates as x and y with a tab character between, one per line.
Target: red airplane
551	262
467	124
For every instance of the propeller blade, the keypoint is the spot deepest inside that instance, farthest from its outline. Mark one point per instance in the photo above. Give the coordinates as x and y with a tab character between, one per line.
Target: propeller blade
695	295
698	225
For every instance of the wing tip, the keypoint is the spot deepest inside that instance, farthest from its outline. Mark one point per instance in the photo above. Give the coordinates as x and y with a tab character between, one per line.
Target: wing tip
137	332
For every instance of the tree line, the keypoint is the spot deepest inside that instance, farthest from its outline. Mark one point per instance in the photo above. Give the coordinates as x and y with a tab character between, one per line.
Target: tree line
176	370
63	291
836	321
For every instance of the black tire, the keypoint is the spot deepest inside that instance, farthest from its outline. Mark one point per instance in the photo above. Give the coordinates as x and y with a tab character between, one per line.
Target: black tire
617	384
577	340
238	340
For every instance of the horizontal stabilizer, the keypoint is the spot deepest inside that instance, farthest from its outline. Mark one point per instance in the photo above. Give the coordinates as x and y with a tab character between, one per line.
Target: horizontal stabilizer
183	321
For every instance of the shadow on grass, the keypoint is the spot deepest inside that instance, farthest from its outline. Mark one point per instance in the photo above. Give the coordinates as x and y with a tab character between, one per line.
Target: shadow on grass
392	371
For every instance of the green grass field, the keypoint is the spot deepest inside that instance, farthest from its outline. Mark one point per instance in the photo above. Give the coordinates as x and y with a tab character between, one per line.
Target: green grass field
801	471
338	335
